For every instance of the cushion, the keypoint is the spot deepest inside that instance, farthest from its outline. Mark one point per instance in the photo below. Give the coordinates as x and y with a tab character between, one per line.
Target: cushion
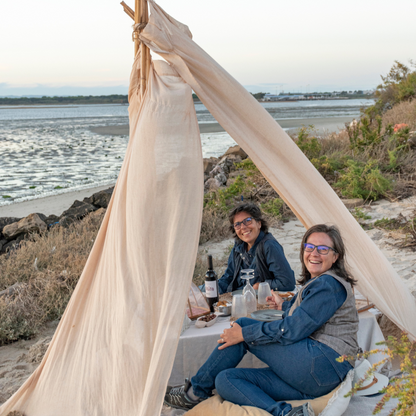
332	404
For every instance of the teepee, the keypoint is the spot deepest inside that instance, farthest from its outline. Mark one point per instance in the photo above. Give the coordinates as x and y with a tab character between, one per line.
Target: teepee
114	348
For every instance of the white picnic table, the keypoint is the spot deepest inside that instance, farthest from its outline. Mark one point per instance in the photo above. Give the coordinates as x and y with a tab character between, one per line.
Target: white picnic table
196	344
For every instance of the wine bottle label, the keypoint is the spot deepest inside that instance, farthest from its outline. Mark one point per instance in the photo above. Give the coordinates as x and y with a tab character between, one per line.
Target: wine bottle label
211	289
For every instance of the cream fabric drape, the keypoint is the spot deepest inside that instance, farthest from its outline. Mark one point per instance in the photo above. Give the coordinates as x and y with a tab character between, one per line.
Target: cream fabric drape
114	348
281	162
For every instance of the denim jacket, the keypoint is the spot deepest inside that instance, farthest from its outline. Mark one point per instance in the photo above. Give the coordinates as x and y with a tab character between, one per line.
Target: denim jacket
321	299
279	269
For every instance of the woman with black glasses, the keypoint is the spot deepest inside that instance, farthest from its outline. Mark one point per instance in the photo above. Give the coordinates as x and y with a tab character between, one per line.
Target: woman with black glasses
319	324
255	248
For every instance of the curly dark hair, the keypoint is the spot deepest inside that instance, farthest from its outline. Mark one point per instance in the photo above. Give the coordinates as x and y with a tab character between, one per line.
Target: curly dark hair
254	211
340	267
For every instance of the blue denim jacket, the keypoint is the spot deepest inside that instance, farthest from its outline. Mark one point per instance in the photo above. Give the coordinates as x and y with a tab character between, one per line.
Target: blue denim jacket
321	299
284	278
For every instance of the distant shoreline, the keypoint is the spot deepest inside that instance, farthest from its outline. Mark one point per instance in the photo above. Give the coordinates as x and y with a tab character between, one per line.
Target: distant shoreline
321	124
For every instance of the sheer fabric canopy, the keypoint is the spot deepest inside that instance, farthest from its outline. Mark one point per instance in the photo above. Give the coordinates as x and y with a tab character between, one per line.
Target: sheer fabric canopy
114	347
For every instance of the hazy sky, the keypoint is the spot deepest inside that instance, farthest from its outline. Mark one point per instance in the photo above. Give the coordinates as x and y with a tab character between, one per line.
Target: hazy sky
84	46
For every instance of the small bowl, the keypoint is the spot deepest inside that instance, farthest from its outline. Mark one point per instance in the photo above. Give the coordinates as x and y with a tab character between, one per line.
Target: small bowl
202	324
225	310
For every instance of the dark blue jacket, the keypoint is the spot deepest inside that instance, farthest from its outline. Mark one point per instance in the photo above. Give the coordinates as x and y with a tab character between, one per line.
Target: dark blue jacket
268	260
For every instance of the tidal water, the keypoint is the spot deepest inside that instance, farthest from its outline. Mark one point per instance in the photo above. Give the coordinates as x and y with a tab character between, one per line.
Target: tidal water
47	150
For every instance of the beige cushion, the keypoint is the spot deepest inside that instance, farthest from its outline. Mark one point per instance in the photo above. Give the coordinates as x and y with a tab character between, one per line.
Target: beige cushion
219	407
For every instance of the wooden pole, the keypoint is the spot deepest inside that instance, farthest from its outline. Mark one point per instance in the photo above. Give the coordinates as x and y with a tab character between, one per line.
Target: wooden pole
128	10
137	19
140	15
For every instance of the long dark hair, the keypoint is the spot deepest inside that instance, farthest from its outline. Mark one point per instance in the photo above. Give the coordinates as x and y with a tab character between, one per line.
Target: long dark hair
340	267
254	211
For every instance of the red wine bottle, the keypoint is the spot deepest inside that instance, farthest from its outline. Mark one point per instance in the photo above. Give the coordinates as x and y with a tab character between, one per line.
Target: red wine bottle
211	285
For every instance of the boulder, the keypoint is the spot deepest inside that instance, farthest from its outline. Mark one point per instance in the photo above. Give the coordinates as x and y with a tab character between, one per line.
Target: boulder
13	244
100	199
77	210
7	221
236	150
221	178
31	224
209	164
226	163
211	184
51	220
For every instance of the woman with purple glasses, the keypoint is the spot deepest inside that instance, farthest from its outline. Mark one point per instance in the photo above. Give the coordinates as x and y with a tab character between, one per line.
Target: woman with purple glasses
319	324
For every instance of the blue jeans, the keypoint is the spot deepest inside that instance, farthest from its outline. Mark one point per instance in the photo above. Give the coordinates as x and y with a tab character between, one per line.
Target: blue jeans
303	370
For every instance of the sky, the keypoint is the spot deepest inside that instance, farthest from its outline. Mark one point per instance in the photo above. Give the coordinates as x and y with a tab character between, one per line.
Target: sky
84	47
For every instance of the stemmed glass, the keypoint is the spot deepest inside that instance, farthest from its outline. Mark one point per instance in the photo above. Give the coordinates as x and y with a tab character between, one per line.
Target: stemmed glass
248	291
247	275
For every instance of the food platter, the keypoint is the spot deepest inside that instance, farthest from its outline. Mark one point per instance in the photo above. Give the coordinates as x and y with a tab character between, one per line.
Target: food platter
267	315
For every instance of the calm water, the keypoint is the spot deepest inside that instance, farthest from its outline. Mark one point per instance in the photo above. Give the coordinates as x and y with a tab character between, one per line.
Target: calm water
48	150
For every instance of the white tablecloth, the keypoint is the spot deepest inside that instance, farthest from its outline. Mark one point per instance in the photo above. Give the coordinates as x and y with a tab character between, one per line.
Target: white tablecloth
195	346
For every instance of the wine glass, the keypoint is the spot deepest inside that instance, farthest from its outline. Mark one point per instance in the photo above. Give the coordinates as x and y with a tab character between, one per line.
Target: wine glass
248	292
247	275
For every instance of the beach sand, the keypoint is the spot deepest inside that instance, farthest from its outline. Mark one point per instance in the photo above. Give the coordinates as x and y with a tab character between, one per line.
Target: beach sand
49	205
328	124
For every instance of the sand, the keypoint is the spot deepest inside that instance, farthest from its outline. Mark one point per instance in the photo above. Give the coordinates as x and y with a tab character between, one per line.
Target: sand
328	124
49	205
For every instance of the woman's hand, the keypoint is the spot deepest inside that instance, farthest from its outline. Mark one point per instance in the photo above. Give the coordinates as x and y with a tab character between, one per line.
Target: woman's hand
231	336
274	301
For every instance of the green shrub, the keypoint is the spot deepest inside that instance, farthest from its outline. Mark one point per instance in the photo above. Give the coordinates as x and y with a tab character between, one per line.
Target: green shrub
363	181
274	207
310	146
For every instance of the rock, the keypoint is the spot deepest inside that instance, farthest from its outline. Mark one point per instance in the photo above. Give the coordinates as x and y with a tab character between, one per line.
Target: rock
32	223
352	203
51	219
7	221
221	178
77	210
211	184
236	150
226	164
100	199
13	244
41	216
209	164
2	243
375	234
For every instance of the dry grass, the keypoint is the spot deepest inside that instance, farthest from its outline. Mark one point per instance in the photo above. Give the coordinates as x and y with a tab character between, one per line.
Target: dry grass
404	112
215	225
201	266
47	268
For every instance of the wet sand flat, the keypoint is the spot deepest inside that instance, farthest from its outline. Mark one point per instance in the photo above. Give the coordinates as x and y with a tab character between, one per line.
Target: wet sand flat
328	124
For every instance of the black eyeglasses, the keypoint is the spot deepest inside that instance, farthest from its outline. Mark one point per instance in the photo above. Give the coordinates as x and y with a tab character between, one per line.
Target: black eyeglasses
321	249
246	221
